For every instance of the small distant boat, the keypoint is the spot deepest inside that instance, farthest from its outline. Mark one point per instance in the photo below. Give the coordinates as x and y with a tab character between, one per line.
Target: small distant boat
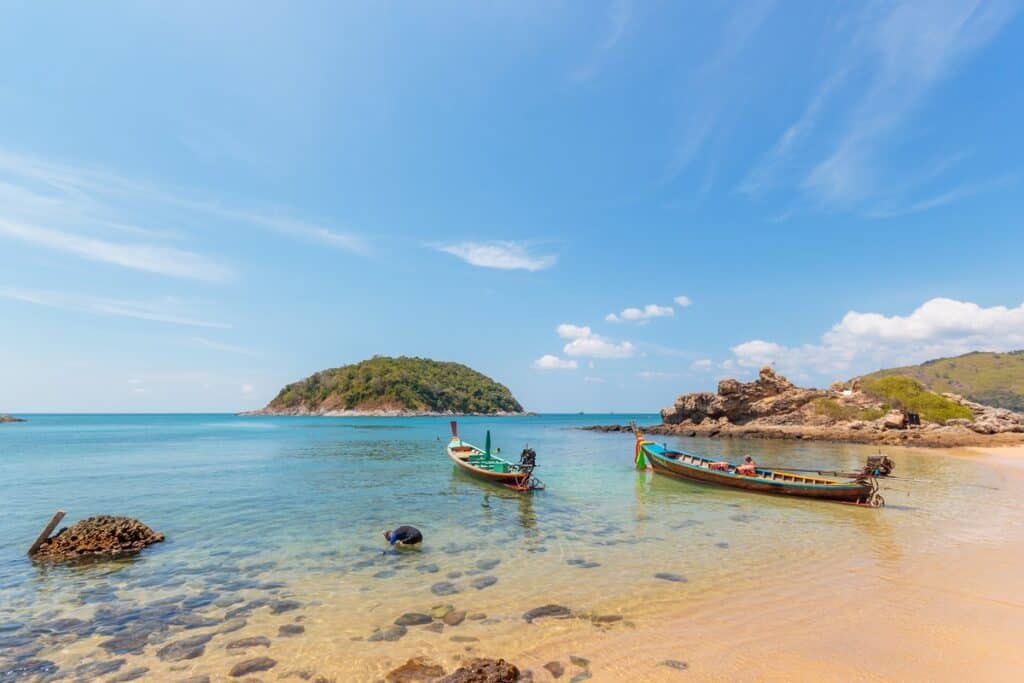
683	465
483	464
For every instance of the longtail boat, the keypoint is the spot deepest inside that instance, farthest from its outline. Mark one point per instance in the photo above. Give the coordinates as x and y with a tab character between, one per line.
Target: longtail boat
483	464
683	465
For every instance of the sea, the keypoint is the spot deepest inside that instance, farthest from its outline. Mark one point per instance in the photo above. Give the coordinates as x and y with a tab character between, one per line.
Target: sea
274	538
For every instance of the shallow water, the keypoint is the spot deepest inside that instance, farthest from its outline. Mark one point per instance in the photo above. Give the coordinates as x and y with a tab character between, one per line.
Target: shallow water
277	522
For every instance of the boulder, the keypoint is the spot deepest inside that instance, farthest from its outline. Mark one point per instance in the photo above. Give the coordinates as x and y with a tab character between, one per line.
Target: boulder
103	536
484	671
10	418
893	420
416	669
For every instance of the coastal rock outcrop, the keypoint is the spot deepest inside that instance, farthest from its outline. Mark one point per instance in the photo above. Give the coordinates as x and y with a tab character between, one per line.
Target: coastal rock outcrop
11	418
103	536
887	410
770	395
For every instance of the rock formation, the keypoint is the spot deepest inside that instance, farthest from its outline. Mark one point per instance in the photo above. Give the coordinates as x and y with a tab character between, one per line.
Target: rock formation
98	537
769	396
11	418
773	407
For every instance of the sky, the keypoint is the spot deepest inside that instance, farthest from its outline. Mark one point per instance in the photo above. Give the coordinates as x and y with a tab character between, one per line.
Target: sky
601	205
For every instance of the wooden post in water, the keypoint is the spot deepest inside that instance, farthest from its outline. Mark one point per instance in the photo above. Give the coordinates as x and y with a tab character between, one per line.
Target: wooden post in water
54	521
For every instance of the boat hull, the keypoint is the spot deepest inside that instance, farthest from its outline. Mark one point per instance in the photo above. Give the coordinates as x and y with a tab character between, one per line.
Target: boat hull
517	481
694	468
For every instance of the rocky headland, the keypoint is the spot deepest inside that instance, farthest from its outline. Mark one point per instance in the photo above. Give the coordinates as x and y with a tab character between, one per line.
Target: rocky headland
11	418
772	407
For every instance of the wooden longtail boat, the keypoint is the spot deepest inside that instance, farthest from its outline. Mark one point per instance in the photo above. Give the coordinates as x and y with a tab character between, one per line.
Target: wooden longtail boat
683	465
481	463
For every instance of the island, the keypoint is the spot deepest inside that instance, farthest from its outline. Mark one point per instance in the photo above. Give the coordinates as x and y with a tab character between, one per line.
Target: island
881	408
394	387
11	418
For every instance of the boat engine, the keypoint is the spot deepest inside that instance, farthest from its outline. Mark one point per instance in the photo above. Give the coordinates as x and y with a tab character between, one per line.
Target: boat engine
878	466
528	458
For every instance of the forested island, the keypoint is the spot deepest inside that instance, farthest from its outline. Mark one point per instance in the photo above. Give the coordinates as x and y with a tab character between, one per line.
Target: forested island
399	386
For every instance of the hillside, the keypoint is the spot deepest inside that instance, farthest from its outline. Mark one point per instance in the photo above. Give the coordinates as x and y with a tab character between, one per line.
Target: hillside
401	385
995	379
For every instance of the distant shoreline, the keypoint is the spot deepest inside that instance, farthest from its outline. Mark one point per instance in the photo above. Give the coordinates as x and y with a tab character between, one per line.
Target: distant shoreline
372	413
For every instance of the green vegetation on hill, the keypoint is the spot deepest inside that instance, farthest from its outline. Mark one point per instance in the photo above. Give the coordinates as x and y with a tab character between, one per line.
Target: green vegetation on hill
907	393
404	383
829	407
994	379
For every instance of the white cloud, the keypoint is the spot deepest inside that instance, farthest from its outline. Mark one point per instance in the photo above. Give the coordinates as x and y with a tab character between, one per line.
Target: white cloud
163	311
634	314
595	346
138	390
135	380
570	331
593	380
550	362
862	342
683	301
248	388
137	256
503	255
701	365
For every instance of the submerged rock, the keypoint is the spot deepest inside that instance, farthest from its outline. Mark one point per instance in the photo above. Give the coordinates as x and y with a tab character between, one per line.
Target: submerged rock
416	669
286	630
675	664
103	536
454	618
668	576
444	588
484	582
413	619
129	675
556	669
187	648
245	643
552	611
30	668
484	671
389	634
251	666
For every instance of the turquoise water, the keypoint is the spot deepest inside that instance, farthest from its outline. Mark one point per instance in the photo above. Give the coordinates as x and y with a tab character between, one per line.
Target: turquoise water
277	521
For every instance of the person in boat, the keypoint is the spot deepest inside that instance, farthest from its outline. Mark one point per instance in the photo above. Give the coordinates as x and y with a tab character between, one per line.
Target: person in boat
748	468
404	535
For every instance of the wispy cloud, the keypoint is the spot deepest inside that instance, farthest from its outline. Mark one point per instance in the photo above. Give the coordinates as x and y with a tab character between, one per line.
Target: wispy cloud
220	346
908	50
503	255
619	14
136	256
703	116
89	212
943	198
164	311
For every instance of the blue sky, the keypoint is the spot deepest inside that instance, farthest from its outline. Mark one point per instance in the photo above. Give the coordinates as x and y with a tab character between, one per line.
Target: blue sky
601	205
